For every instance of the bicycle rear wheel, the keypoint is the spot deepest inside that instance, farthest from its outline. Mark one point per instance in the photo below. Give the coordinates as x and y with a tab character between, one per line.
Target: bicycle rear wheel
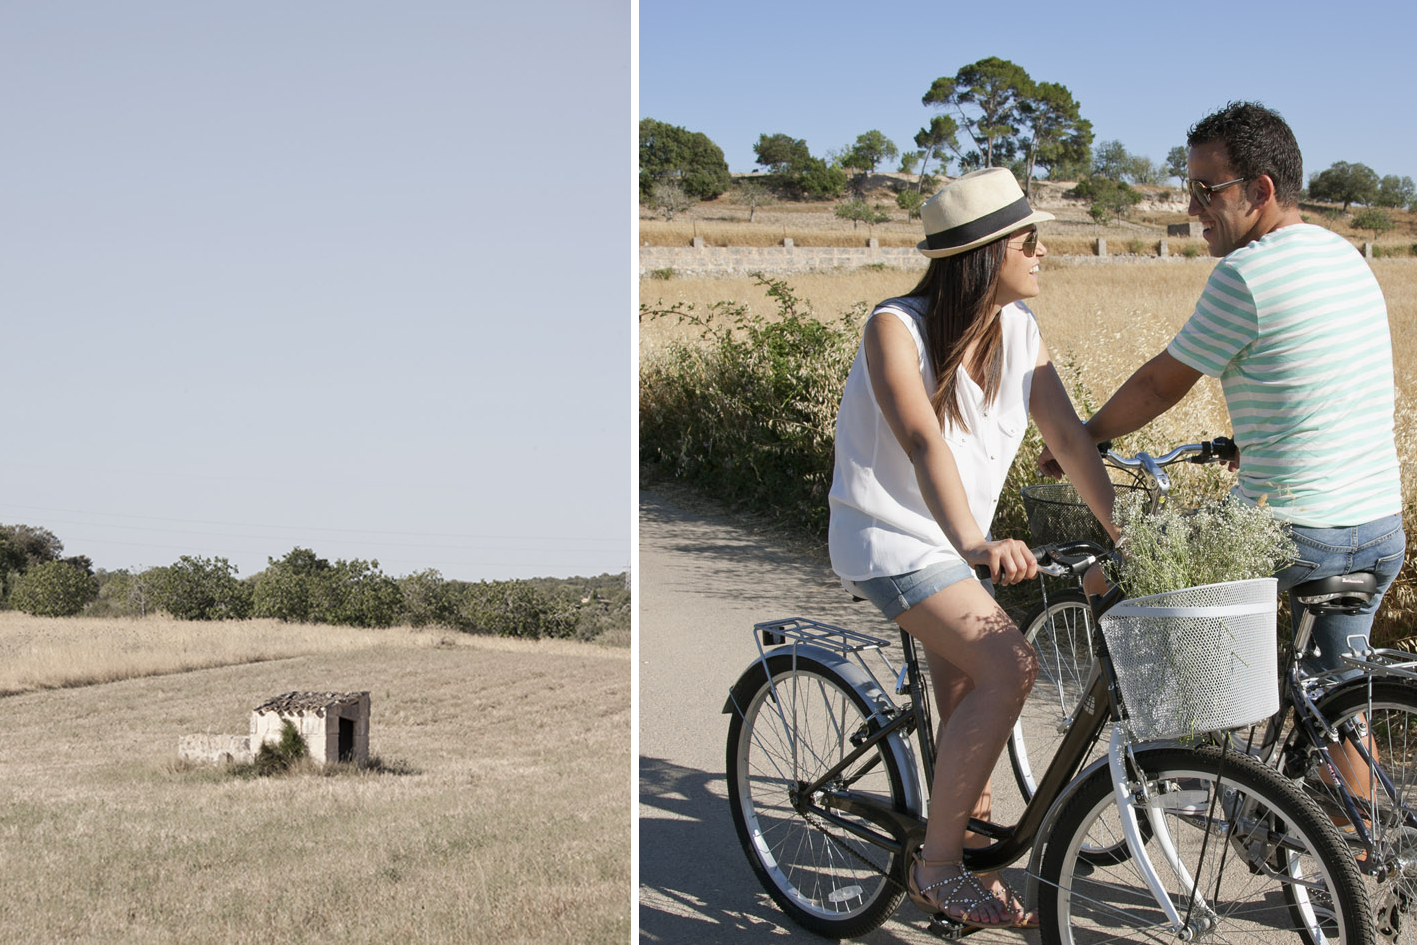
1246	836
825	878
1388	726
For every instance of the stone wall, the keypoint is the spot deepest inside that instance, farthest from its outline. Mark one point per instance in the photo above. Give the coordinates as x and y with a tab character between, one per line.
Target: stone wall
703	260
215	749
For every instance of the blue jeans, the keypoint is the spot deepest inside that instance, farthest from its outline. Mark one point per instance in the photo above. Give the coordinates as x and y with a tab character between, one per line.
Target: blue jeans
897	593
1378	546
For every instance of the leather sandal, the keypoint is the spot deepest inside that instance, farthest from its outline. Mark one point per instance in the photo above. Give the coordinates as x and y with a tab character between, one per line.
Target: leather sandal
955	891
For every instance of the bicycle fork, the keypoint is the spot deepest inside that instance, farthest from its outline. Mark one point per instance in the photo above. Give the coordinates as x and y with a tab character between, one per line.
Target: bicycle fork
1130	796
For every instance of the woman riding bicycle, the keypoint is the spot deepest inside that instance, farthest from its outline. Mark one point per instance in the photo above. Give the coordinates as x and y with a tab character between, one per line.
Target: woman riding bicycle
935	407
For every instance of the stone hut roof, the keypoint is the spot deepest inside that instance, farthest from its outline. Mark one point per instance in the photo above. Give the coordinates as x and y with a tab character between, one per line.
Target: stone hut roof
297	703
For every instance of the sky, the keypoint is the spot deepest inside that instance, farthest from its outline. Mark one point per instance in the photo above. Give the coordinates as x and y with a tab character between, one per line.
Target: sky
343	276
826	71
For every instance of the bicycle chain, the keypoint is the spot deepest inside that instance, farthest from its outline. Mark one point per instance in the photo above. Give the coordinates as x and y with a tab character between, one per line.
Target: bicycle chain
812	821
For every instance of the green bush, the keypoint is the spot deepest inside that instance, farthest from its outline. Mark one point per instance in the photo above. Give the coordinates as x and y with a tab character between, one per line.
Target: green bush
198	588
284	755
510	609
750	413
53	589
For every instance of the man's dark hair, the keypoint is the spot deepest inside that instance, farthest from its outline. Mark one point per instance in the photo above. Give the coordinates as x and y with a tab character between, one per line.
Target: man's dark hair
1258	142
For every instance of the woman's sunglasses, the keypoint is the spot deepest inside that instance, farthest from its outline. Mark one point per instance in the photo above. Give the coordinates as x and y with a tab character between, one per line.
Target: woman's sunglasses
1030	242
1202	191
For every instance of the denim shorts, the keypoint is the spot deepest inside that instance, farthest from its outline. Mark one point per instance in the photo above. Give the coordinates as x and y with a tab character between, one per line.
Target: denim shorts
1378	546
896	594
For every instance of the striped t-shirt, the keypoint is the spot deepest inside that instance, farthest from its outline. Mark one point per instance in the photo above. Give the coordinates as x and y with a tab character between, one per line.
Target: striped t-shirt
1296	328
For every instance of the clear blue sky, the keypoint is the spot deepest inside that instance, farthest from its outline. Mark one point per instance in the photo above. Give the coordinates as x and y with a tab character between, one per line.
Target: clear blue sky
349	276
826	71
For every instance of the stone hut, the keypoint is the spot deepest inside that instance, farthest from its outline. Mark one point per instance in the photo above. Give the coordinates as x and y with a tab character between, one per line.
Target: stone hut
335	724
1191	229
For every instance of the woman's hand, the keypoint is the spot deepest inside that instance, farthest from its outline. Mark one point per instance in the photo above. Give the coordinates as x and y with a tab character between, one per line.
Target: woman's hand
1009	561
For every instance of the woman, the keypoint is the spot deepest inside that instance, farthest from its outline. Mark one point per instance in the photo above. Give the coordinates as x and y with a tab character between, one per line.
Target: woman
934	409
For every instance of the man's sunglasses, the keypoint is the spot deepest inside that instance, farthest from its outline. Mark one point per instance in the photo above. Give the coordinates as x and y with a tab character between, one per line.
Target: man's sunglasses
1202	191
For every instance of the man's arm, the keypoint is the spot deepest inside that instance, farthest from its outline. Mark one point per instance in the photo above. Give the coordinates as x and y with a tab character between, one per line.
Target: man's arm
1155	387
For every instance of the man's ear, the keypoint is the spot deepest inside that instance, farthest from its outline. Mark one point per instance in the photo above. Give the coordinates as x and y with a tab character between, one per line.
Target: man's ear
1265	192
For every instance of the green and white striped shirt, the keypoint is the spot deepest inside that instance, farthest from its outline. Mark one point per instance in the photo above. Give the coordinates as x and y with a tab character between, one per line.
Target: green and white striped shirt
1296	328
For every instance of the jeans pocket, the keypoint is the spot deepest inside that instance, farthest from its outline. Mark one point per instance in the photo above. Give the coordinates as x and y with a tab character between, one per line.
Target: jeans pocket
1297	573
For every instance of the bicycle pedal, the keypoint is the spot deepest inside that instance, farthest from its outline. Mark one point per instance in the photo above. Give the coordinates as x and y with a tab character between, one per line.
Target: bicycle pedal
942	926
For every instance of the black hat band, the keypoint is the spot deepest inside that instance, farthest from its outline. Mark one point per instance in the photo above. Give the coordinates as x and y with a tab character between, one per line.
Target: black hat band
986	225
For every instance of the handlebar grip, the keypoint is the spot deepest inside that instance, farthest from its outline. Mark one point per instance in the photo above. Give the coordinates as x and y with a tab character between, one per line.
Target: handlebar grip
982	572
1104	446
1225	449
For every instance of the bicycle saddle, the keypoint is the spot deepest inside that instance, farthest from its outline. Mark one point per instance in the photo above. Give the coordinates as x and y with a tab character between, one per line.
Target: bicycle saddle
1339	594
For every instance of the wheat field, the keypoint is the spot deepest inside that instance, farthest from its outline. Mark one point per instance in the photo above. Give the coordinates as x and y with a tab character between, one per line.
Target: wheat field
498	809
1100	321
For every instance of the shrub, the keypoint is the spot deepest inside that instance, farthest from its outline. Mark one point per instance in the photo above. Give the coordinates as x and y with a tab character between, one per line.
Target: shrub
202	589
283	755
427	599
53	589
509	609
750	414
665	274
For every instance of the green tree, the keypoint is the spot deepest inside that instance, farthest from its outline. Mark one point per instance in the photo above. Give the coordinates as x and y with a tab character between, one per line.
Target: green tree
196	588
690	158
941	135
782	155
53	589
427	599
1111	161
1056	132
503	608
1110	198
287	589
1394	191
1176	163
820	179
1373	219
986	95
870	150
858	211
1346	184
909	160
910	201
357	593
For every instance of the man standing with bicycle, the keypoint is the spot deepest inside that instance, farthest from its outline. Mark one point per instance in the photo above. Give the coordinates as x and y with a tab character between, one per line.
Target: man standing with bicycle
1294	324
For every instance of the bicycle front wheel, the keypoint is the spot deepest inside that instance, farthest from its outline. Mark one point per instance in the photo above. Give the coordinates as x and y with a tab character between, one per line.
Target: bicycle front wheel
1061	636
1384	723
1252	858
798	723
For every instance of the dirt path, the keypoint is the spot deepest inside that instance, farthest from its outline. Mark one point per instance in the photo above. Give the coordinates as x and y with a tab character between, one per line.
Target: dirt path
703	582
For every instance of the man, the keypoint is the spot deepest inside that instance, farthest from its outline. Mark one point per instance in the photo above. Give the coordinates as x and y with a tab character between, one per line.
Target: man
1295	326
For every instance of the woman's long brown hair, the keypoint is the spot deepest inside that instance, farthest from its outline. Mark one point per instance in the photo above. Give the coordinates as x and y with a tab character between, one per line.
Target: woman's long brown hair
959	295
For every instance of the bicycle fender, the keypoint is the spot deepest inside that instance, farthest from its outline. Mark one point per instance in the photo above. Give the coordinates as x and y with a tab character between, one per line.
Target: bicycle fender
756	675
1045	829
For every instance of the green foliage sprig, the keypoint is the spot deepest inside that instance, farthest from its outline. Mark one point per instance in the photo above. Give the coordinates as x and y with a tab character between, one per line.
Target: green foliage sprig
1171	549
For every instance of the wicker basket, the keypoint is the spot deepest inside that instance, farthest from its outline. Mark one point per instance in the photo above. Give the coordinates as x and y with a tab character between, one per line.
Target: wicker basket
1056	513
1202	659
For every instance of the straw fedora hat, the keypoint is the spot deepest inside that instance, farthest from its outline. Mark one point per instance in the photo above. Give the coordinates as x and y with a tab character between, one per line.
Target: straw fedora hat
979	207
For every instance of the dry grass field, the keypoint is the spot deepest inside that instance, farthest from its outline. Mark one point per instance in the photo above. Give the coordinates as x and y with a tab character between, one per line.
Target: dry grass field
497	810
1101	320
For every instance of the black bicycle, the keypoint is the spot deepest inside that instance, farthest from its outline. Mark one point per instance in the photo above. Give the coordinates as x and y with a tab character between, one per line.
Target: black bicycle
830	741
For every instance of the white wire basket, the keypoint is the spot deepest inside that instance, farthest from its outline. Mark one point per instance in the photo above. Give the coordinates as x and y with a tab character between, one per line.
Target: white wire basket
1202	659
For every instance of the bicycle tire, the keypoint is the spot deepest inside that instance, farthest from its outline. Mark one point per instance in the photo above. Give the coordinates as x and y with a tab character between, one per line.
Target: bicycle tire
1060	632
1270	835
827	880
1391	723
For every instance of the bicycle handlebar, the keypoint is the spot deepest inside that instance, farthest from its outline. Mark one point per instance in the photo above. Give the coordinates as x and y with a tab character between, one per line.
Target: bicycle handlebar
1219	450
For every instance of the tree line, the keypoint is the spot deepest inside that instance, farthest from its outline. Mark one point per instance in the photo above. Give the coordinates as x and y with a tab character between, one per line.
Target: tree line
990	113
36	578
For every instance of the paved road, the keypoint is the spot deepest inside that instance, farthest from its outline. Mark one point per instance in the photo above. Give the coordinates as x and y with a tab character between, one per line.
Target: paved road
703	583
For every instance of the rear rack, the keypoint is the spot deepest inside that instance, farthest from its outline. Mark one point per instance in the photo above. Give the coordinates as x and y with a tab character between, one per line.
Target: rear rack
1383	662
802	630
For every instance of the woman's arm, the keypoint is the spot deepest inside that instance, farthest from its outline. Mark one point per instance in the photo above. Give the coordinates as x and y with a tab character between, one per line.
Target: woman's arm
893	364
1069	441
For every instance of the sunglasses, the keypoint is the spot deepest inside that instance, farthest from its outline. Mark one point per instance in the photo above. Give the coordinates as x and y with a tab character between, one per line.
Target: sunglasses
1202	191
1030	242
